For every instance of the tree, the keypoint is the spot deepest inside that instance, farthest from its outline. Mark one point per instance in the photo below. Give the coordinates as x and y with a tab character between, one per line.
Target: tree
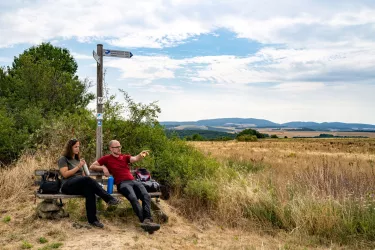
251	132
59	58
41	84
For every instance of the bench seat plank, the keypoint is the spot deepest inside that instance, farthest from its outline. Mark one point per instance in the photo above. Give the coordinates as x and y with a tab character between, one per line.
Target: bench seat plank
68	196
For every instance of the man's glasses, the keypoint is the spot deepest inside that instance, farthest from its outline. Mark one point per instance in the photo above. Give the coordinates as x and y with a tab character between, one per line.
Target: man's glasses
73	140
117	147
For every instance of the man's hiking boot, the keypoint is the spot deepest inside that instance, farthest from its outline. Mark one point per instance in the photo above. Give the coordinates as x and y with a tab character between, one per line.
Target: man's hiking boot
149	226
97	224
114	202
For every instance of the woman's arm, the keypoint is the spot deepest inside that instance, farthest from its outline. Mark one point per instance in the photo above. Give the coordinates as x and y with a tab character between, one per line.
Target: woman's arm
66	173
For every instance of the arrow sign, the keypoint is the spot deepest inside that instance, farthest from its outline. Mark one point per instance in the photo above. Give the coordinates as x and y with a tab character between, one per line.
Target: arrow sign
96	57
117	53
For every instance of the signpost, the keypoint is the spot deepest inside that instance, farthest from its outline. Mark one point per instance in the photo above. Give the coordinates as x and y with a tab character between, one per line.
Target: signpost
98	56
117	53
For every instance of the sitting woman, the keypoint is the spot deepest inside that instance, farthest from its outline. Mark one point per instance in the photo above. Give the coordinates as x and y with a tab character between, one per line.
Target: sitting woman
74	182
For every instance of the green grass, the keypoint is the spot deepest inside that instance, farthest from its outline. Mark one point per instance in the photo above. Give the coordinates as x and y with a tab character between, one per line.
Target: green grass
42	240
6	219
26	245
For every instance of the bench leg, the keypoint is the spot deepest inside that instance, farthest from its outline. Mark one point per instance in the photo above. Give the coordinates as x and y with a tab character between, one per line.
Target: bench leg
50	209
160	215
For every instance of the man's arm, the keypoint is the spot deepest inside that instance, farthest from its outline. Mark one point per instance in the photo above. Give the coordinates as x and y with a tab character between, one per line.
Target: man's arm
140	156
96	167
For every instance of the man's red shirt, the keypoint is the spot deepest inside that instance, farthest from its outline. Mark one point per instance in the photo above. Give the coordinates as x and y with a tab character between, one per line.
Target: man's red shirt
118	167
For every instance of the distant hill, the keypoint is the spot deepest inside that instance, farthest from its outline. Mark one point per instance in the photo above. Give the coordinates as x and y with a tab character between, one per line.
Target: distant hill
238	124
330	126
207	134
236	121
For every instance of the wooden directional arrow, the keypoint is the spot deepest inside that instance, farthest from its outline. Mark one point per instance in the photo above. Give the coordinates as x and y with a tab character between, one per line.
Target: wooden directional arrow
117	53
96	57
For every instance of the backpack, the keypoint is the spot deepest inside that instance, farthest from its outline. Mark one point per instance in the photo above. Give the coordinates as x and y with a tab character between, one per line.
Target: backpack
143	176
50	183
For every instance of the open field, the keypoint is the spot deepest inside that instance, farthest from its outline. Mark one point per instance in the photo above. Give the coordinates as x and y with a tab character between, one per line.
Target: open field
290	134
269	194
21	229
308	187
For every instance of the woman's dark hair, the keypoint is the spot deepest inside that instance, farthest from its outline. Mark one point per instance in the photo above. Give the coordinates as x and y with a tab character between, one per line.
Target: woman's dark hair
68	149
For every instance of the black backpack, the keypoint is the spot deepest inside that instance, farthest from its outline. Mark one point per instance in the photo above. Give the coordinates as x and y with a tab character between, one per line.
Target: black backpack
50	183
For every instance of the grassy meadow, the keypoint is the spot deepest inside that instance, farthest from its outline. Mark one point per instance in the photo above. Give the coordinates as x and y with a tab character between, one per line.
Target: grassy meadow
315	189
268	194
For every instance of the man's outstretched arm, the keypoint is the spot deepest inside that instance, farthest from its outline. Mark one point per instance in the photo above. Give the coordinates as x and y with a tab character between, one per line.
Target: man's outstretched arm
140	156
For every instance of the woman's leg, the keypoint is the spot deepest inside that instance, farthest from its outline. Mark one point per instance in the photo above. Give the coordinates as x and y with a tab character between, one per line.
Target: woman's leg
79	186
99	191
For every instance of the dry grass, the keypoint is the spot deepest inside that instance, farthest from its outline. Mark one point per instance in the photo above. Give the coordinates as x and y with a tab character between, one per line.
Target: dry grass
271	194
307	186
21	229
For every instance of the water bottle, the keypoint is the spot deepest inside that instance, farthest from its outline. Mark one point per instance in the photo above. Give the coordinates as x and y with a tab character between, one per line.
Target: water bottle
110	184
86	169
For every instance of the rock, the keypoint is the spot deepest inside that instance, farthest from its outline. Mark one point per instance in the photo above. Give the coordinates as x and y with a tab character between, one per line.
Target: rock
46	206
48	209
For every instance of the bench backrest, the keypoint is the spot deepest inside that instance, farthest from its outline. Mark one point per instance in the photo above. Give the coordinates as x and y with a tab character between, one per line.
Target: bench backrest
98	175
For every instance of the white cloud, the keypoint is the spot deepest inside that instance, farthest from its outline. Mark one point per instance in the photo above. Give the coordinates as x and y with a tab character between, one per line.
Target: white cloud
81	56
267	65
166	23
316	61
5	59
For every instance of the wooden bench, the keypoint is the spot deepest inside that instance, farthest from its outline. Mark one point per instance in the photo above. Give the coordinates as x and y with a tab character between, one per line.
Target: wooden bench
98	176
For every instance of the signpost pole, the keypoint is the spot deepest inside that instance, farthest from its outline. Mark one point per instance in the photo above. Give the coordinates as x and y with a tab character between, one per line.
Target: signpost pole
98	56
99	101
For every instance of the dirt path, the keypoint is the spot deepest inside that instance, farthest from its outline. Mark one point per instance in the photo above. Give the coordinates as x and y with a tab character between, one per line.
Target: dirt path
178	233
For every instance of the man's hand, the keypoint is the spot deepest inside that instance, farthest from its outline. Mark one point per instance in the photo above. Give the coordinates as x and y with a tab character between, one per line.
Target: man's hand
144	153
106	172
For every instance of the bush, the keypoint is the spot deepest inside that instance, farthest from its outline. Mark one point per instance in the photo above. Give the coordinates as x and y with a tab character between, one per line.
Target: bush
247	138
252	132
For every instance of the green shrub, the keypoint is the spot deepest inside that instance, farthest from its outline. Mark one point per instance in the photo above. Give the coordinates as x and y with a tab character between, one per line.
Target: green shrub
247	138
205	189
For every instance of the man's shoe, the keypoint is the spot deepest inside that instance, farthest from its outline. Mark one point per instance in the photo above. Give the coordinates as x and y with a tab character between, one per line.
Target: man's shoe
149	226
114	202
97	224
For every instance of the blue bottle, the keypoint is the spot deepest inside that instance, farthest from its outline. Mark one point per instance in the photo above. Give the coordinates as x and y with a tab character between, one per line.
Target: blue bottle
110	184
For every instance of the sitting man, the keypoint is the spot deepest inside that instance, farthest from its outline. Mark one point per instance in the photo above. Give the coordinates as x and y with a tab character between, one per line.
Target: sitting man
117	164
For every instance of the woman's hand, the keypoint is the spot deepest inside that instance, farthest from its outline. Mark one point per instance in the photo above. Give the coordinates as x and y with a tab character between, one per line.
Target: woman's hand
82	162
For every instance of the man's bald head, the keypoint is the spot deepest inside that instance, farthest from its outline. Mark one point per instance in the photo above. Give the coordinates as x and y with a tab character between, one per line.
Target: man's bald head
113	142
115	147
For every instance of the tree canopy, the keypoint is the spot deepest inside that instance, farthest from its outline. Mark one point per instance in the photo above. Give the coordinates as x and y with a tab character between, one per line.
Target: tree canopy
41	84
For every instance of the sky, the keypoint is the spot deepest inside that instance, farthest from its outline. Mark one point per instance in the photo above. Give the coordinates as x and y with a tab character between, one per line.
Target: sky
305	60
